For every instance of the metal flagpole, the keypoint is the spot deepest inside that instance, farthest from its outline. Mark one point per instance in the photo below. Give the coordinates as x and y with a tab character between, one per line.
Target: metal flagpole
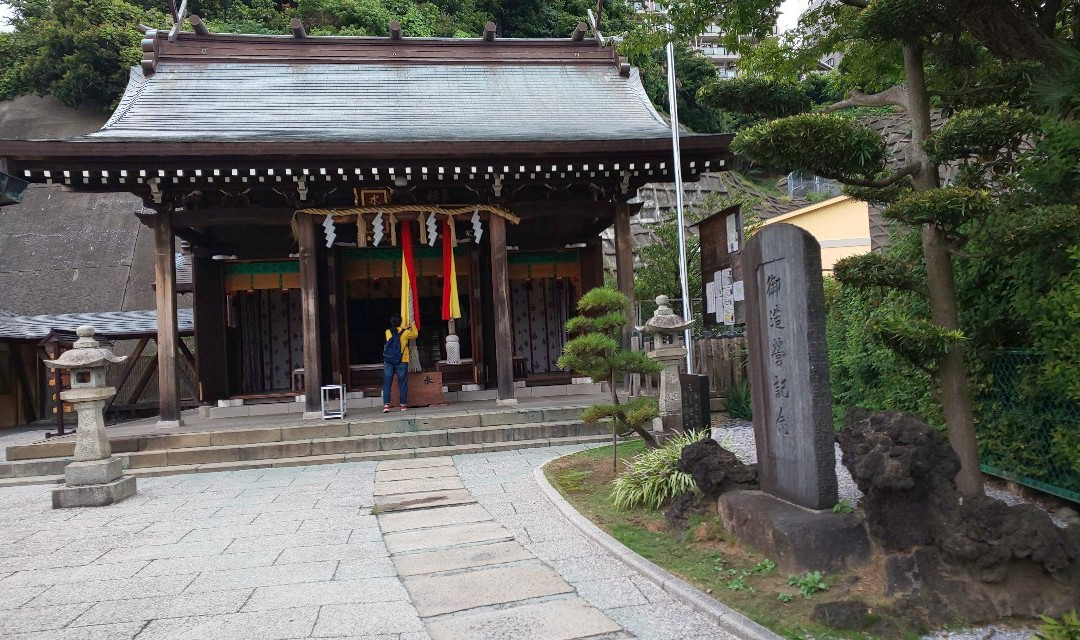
684	284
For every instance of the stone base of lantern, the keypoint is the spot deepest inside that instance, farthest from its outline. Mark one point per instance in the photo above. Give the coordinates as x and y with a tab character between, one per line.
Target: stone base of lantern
93	483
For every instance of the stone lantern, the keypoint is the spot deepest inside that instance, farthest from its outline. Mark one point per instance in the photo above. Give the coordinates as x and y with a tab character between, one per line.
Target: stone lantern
666	325
95	478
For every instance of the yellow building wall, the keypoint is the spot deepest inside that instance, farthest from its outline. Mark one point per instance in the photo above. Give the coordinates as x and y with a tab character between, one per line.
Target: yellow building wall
841	225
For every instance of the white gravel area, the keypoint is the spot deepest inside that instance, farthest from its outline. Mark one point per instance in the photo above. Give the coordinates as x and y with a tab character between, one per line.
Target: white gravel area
738	437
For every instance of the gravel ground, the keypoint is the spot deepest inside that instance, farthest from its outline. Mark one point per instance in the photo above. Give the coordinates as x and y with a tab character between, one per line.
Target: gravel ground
738	437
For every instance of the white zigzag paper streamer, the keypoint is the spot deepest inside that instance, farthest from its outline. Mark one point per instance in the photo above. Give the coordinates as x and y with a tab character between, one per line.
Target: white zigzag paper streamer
477	229
432	230
377	230
328	229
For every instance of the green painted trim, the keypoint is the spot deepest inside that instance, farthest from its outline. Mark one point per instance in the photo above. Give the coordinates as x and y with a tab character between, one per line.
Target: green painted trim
1031	482
542	257
254	268
394	253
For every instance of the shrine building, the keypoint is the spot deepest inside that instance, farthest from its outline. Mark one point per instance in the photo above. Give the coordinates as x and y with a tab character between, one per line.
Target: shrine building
296	169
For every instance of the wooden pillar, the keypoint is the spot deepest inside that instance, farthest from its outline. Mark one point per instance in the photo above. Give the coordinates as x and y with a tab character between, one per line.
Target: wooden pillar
624	265
165	274
309	308
211	350
500	296
339	354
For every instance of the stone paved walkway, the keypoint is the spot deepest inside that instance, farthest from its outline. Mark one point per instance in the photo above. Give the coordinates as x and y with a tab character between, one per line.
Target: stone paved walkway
295	553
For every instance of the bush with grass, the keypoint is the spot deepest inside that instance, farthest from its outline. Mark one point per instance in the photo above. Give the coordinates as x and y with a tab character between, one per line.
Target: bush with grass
652	478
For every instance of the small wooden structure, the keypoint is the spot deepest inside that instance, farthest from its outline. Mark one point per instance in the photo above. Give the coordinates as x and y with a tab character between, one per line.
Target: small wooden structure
290	163
721	267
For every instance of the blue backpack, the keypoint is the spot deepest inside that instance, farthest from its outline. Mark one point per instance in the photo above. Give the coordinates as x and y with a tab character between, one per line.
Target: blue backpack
391	351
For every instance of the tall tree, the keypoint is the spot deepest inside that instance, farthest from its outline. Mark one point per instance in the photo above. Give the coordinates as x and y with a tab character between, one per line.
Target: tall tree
956	51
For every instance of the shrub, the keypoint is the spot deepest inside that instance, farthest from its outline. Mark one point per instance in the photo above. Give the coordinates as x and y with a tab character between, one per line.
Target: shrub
739	404
1068	628
652	478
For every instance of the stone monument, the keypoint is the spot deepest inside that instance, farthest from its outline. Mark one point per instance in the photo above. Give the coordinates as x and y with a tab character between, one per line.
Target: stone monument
95	478
665	324
791	519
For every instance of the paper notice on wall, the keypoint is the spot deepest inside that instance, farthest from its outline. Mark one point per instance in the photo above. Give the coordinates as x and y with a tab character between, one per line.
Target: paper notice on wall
727	299
718	296
710	297
732	233
737	291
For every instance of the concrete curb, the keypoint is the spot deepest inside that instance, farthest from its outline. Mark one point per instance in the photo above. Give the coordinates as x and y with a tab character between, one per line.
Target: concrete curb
727	618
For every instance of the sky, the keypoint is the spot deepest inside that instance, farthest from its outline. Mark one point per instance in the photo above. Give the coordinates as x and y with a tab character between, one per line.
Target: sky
790	11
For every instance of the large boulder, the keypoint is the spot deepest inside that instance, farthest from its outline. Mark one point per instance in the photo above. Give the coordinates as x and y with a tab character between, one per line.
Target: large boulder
715	469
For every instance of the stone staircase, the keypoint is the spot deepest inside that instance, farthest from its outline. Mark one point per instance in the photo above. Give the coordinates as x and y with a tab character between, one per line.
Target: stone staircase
385	437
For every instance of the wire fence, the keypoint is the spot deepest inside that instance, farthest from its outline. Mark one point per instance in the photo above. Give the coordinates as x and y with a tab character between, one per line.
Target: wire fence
1029	433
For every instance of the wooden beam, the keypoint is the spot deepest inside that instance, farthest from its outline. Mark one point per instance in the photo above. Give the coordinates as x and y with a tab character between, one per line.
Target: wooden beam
143	380
198	26
309	309
128	368
297	27
500	296
178	20
395	30
579	32
624	265
624	67
165	295
489	32
211	348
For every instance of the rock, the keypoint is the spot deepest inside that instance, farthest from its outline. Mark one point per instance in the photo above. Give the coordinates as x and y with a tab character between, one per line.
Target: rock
1068	515
905	470
715	469
974	560
849	615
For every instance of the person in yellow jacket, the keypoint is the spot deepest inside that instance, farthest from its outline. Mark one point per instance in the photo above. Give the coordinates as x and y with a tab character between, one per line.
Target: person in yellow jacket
396	361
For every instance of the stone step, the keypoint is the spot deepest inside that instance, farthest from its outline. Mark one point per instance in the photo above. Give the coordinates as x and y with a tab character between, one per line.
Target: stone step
33	468
359	444
398	454
373	425
30	480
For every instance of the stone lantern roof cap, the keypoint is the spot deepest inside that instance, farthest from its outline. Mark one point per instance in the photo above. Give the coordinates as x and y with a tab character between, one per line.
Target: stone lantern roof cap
86	352
664	320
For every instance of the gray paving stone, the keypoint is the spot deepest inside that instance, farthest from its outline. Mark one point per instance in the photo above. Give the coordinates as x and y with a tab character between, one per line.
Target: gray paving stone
121	631
426	539
358	551
610	594
366	568
413	564
424	499
15	597
288	541
101	590
436	517
262	576
27	619
361	591
552	620
387	475
371	619
591	567
439	594
170	566
668	621
209	531
174	606
162	551
415	463
416	486
264	625
74	574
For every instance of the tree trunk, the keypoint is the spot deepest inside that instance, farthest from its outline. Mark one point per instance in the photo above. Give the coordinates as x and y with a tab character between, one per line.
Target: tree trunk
649	438
952	374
